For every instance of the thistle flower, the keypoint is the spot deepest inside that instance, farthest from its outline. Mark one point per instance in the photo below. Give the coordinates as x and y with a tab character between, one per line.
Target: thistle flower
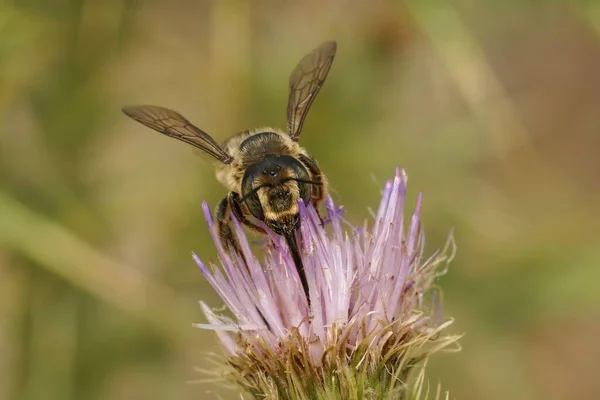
374	313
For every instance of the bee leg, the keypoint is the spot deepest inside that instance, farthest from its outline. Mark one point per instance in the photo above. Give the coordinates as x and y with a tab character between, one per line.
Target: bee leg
226	235
224	209
318	191
236	208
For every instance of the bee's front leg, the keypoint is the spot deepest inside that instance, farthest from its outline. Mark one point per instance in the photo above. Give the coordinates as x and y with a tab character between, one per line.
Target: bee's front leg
236	208
228	206
228	239
318	190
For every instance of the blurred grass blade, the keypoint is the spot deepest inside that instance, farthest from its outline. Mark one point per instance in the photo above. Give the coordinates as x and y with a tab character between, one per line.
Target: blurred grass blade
60	251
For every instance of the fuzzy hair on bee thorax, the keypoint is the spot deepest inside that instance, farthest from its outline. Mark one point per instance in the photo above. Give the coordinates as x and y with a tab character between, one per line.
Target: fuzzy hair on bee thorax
250	147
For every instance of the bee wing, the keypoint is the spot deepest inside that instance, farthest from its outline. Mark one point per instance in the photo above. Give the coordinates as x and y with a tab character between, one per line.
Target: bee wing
173	124
305	82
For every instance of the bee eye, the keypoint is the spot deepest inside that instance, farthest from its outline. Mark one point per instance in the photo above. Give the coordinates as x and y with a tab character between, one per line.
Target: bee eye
254	206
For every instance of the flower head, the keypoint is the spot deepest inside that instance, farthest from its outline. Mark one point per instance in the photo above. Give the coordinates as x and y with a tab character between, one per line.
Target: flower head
373	311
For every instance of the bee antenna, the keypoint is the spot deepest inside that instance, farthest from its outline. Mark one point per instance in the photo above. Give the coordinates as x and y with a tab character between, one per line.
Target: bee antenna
256	189
305	181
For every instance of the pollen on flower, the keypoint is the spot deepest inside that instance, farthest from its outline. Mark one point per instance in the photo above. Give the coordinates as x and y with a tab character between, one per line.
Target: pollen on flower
373	313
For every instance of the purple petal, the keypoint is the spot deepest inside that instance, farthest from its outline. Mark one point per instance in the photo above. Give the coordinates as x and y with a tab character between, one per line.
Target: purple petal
356	277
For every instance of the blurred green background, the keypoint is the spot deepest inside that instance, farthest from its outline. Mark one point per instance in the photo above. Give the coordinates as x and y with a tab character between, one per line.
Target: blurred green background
492	107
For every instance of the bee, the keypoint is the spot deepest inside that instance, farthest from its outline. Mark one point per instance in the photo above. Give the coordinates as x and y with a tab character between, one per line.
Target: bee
266	171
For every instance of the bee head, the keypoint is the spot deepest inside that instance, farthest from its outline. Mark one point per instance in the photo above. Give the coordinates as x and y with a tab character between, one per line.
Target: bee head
272	188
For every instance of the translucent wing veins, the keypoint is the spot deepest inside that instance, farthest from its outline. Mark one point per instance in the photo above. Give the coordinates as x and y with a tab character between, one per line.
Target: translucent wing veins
173	124
305	82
